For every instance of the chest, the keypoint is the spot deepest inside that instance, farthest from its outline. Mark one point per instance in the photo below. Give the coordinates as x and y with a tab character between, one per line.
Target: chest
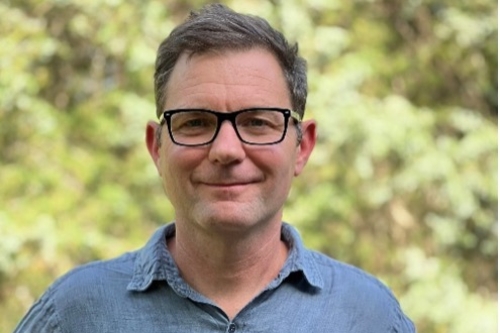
270	312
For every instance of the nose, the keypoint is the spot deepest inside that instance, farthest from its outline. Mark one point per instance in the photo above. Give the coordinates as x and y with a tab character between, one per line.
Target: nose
227	147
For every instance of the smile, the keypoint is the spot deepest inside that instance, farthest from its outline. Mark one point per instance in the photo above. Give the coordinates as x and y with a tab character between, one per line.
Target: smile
223	185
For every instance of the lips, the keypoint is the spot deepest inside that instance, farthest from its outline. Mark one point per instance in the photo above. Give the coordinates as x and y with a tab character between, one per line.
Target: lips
226	180
227	184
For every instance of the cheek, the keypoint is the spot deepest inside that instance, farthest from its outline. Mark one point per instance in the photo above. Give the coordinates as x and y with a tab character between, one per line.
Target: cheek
178	158
175	167
279	164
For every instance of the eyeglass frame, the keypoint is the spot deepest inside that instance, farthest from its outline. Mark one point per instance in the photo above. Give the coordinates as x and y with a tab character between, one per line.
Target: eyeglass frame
231	117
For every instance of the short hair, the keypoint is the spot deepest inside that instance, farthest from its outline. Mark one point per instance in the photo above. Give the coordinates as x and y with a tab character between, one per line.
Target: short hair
217	28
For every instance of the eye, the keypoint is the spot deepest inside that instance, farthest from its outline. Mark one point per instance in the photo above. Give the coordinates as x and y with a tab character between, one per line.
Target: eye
256	122
191	121
260	120
195	123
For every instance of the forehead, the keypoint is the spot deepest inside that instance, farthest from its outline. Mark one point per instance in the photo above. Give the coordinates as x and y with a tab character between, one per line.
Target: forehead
227	81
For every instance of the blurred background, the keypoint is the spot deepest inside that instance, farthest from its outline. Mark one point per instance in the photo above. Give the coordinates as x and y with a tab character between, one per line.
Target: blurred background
403	181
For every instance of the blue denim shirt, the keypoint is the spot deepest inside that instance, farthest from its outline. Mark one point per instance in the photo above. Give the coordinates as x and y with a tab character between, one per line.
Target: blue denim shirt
142	291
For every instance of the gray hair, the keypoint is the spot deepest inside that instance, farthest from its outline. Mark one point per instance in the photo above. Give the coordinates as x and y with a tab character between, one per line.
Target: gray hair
216	28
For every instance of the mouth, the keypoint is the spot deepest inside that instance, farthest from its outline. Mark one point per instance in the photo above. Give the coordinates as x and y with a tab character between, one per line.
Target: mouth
227	185
225	181
225	191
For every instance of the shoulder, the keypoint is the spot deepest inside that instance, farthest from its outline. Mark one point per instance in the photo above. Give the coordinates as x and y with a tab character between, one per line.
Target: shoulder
330	274
338	274
117	271
76	294
361	294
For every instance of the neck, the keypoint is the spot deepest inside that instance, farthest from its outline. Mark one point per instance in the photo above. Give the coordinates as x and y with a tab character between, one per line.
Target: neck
230	271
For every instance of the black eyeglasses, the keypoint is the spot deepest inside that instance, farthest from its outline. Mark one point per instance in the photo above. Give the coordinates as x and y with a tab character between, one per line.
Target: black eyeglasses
255	126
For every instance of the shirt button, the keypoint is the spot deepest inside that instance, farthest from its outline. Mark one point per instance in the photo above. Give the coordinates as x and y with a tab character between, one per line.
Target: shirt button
231	328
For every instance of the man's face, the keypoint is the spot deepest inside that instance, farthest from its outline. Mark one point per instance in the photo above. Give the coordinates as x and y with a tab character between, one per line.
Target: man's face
229	185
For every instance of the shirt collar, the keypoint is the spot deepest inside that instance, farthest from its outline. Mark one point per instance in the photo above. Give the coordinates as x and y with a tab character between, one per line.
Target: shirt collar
154	262
300	259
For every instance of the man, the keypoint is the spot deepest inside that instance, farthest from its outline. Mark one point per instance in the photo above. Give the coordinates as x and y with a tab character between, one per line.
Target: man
230	95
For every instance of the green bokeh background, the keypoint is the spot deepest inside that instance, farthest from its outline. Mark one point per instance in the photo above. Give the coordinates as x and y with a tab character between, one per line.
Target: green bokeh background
403	181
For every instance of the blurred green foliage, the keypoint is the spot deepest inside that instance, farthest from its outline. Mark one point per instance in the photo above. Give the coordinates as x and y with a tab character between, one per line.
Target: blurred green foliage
403	182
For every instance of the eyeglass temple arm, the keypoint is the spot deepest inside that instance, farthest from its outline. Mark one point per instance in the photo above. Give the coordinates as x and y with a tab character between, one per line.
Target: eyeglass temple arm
295	115
162	118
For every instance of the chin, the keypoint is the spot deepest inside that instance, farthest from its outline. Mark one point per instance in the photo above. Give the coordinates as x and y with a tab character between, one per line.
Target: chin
229	223
233	216
229	219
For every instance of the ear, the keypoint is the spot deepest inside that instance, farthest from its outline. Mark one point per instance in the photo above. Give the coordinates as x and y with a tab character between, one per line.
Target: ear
152	142
306	145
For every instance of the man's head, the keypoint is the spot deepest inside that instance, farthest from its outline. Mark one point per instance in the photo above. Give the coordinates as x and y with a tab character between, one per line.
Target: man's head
217	28
230	155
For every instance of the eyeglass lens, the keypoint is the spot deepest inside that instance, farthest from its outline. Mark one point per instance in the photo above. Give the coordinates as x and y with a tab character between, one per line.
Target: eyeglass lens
252	126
